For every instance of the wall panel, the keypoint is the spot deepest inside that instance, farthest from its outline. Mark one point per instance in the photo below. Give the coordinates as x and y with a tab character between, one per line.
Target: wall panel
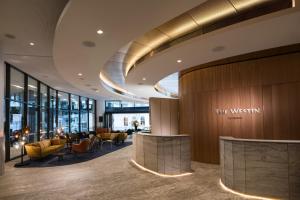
269	83
164	116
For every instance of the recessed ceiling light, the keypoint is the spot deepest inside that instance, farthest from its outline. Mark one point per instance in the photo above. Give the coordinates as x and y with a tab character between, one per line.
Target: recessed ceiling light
10	36
144	78
179	61
88	43
31	44
99	32
79	74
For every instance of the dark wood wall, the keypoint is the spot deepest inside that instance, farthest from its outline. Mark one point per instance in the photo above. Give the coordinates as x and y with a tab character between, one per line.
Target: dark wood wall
270	83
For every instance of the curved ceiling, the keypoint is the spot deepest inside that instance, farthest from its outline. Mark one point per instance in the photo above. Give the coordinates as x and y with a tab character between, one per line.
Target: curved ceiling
81	20
121	22
69	45
270	31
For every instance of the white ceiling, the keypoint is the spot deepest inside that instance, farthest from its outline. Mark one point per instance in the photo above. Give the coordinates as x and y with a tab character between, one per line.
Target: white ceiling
32	21
121	21
59	55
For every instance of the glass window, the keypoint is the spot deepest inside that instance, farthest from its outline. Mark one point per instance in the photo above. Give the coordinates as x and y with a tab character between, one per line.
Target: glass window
91	115
63	101
126	104
123	122
52	120
32	109
32	92
84	114
44	96
32	122
44	111
16	85
74	113
113	104
63	120
15	122
63	111
44	125
141	104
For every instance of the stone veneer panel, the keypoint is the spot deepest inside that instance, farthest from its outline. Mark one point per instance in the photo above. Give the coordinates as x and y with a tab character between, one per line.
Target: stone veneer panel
164	154
294	170
261	168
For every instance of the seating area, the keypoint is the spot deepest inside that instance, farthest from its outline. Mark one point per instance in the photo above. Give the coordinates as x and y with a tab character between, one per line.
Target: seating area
74	143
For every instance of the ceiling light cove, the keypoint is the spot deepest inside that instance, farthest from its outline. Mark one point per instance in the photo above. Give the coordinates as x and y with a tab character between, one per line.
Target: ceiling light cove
32	86
31	44
80	74
99	32
179	61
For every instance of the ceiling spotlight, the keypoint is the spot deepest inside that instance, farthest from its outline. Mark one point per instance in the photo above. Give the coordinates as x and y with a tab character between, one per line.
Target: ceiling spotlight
99	32
144	78
31	44
179	61
79	74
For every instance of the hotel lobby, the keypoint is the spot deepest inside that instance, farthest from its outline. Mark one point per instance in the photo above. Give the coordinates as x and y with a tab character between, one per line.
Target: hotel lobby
141	99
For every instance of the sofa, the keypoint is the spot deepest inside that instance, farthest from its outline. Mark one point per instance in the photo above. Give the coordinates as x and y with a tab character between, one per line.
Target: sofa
108	136
44	148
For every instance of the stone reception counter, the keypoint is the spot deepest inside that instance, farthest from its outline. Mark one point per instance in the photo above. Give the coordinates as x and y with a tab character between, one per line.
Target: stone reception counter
266	168
165	155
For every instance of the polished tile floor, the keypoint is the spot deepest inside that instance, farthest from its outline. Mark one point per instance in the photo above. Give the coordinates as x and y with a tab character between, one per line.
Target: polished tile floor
109	177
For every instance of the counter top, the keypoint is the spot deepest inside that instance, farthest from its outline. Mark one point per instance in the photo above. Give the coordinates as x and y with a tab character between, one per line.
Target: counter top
258	140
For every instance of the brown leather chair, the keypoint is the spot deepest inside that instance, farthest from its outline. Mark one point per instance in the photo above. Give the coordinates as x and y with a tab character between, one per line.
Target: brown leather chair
82	147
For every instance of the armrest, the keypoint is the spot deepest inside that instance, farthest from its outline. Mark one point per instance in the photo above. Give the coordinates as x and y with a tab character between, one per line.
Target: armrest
33	151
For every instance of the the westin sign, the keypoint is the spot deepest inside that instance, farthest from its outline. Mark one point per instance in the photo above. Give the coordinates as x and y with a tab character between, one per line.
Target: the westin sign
238	111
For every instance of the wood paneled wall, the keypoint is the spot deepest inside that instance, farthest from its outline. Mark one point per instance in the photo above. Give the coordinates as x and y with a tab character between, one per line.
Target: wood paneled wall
270	83
164	116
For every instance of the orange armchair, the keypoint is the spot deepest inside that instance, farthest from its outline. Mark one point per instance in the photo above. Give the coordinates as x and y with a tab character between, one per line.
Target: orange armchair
82	147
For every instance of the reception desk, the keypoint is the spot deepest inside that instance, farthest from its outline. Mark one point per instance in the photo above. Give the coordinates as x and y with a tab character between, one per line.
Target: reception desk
165	155
267	168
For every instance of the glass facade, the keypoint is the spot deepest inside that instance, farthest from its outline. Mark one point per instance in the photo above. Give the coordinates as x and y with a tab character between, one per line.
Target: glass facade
84	114
32	109
52	112
43	109
63	111
91	115
74	114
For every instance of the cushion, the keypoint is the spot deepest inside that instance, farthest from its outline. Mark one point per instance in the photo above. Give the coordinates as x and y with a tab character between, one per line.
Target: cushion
45	143
55	142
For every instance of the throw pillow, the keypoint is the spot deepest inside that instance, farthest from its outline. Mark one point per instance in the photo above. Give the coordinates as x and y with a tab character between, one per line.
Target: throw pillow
55	142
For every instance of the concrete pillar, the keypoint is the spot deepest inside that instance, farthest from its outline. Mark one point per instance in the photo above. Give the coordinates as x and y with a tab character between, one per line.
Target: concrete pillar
2	114
100	110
